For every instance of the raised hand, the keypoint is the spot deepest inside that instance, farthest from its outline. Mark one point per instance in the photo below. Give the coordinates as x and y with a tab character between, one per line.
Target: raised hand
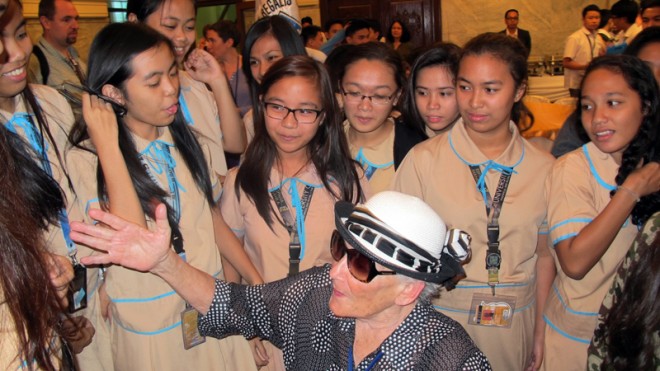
125	243
203	67
100	119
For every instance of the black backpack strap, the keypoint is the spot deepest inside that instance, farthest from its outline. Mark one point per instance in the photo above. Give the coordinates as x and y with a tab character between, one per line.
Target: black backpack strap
43	63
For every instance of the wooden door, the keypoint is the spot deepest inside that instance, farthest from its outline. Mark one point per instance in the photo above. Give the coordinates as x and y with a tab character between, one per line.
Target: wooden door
421	17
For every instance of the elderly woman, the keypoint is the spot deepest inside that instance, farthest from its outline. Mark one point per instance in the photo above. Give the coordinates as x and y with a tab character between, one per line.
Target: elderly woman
364	311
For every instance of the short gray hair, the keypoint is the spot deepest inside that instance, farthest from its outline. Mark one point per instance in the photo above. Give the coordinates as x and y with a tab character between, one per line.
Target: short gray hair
431	290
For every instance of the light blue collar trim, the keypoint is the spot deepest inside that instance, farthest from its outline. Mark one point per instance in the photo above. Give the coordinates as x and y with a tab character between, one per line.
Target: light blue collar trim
594	173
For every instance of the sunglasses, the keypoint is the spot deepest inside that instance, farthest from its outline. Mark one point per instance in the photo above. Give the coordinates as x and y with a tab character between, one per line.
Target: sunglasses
361	267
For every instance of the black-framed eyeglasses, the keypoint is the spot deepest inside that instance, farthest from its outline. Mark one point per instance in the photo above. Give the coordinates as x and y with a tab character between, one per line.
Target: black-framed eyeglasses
302	115
357	97
360	266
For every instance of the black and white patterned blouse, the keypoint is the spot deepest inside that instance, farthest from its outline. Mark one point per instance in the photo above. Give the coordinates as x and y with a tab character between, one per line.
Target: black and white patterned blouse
293	314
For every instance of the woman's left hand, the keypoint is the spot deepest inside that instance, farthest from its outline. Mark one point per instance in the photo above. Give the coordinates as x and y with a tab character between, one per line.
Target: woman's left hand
203	67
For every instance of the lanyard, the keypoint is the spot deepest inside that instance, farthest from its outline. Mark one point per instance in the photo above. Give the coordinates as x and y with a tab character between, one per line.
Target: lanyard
592	46
159	151
493	210
373	362
36	140
368	166
295	228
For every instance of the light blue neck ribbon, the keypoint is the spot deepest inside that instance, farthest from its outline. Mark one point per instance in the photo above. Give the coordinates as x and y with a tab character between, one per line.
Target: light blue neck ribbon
368	166
186	112
488	166
22	120
160	151
296	202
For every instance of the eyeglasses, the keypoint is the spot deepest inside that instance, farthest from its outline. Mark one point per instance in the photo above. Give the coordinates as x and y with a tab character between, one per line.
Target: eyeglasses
302	115
360	266
357	97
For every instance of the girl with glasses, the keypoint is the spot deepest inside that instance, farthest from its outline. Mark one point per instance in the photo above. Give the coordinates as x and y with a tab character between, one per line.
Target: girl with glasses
279	201
370	81
135	149
483	175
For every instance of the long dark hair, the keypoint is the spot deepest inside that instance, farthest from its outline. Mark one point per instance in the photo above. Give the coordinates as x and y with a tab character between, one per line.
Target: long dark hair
405	34
283	32
443	54
628	331
512	52
110	62
645	146
328	149
29	201
14	8
144	8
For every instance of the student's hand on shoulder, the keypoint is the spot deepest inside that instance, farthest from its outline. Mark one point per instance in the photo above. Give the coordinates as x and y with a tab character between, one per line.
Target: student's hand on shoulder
203	67
100	119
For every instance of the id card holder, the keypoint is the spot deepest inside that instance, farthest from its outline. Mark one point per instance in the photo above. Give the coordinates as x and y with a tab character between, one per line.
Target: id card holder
77	293
191	336
492	311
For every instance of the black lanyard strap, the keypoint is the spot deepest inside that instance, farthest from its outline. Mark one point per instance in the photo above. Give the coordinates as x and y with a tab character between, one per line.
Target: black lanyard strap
493	210
290	224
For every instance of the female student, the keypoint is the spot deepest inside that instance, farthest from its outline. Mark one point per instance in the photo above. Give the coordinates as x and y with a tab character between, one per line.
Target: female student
370	84
146	153
482	174
42	118
202	110
429	105
294	170
268	40
594	191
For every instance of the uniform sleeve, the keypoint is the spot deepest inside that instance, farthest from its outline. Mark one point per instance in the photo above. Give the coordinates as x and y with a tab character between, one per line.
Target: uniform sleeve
82	170
571	204
216	184
231	207
407	177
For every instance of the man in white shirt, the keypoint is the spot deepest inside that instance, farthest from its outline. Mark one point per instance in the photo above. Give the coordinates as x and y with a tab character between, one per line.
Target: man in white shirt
581	47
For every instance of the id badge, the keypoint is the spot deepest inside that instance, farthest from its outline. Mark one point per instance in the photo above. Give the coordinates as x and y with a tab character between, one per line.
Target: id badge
492	311
77	293
191	336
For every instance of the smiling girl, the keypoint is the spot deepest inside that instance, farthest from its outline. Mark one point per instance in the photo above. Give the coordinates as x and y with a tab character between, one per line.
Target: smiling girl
213	115
279	200
147	154
593	193
483	175
42	118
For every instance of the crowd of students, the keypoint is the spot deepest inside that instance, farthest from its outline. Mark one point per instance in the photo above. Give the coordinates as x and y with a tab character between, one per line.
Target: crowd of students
548	235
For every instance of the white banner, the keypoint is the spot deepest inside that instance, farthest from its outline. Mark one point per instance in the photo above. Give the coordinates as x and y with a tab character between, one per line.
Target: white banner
285	8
